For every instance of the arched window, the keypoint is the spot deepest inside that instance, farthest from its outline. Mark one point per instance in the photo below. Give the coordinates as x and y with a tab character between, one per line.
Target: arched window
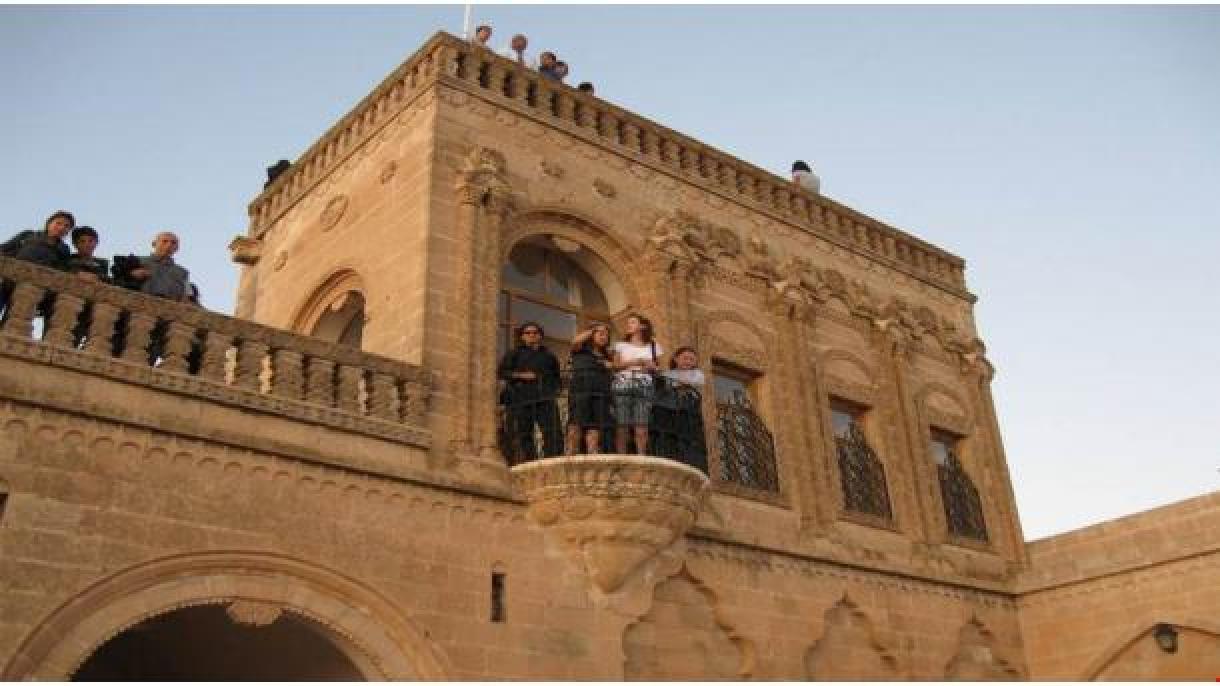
557	283
336	311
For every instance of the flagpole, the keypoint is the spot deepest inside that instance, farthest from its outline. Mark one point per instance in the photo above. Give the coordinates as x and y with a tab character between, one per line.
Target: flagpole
466	23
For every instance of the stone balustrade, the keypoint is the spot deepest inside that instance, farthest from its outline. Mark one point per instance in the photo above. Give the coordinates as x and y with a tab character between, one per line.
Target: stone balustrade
120	333
454	61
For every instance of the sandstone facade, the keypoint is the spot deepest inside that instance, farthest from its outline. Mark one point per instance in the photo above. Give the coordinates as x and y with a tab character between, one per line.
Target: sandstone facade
262	477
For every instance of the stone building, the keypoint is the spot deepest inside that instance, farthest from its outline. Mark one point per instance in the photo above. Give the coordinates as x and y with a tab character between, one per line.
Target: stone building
315	488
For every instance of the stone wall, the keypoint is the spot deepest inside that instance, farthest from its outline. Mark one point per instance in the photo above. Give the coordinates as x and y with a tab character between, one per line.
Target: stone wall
1092	597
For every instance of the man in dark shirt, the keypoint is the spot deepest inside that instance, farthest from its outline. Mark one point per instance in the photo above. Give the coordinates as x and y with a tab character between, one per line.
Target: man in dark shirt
46	247
532	373
84	239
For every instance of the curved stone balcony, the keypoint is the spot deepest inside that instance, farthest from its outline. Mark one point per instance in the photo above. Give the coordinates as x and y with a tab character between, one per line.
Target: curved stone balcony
610	513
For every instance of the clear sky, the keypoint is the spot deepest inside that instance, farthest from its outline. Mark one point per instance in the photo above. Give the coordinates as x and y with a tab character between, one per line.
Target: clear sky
1070	154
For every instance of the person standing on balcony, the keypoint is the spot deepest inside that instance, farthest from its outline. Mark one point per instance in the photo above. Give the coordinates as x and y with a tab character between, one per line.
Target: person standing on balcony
804	177
84	239
589	394
635	358
481	35
516	50
159	275
46	247
532	373
689	442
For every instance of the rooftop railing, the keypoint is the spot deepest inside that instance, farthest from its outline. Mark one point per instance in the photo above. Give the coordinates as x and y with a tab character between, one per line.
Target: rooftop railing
453	61
67	321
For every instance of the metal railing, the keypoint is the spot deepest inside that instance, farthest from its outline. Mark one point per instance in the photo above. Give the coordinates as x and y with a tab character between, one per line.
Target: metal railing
863	475
963	508
591	412
745	446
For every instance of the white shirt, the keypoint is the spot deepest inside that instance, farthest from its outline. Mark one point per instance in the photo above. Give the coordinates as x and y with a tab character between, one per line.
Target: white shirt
635	355
691	377
808	180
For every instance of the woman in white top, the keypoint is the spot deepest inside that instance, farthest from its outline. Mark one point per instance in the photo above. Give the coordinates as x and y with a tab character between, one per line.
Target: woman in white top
635	360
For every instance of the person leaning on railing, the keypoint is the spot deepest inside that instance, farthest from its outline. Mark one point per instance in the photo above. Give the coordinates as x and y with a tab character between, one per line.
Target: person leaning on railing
82	262
589	413
45	248
689	444
532	374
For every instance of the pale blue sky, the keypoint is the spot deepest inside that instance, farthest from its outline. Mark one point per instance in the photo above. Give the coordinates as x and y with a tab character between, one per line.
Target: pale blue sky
1070	155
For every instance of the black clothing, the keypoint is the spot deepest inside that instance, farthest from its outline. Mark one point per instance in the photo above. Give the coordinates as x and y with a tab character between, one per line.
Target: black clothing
676	426
78	263
590	395
37	247
531	403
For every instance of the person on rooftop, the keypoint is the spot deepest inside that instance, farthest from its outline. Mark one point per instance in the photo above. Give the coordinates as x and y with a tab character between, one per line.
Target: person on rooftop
546	65
516	50
482	34
46	247
159	275
84	239
585	87
804	177
561	70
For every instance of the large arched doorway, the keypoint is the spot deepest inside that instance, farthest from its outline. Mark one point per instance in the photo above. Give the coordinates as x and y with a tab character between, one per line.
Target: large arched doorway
558	283
215	643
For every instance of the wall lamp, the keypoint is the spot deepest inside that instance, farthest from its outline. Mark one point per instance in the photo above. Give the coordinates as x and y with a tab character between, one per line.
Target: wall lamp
1166	636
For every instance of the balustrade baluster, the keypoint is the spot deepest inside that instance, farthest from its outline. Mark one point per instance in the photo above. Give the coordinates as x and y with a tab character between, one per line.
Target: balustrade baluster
249	372
288	374
383	400
320	382
179	339
631	136
349	389
22	307
100	340
495	77
138	337
650	143
565	107
215	356
415	402
64	319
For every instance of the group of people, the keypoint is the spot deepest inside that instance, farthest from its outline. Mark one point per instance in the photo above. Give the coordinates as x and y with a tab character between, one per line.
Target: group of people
548	64
156	274
618	396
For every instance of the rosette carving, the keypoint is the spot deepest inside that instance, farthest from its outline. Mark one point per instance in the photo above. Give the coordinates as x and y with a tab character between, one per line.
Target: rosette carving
610	514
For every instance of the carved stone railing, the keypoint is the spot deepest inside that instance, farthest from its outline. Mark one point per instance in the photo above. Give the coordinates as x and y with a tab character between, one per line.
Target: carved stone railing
185	349
609	514
478	70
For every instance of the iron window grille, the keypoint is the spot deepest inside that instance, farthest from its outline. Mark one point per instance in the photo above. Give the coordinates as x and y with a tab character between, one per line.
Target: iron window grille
862	475
963	508
746	446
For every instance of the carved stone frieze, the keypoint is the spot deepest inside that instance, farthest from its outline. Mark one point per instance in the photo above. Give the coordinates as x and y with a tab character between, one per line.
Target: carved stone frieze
254	613
610	514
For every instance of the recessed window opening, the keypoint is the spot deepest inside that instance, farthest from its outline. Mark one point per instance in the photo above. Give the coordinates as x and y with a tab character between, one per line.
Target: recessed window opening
745	445
861	471
963	507
498	609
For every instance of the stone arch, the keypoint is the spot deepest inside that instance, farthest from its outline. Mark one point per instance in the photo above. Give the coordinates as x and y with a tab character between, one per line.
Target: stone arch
845	366
927	395
329	311
684	636
1203	664
708	343
364	625
622	288
976	658
849	648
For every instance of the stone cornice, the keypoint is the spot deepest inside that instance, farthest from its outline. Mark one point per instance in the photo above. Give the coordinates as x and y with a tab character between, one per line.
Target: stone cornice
459	64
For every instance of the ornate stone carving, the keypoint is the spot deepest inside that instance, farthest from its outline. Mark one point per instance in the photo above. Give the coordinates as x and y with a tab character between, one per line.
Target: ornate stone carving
610	514
604	188
333	212
245	250
254	613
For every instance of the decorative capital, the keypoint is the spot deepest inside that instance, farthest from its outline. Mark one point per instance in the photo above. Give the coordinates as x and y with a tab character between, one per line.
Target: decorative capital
245	250
610	513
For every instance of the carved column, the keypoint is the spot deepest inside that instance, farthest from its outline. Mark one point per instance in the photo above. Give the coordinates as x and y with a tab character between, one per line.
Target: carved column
349	389
178	340
288	374
486	286
61	330
100	340
320	382
924	485
215	356
21	309
139	337
250	356
823	478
